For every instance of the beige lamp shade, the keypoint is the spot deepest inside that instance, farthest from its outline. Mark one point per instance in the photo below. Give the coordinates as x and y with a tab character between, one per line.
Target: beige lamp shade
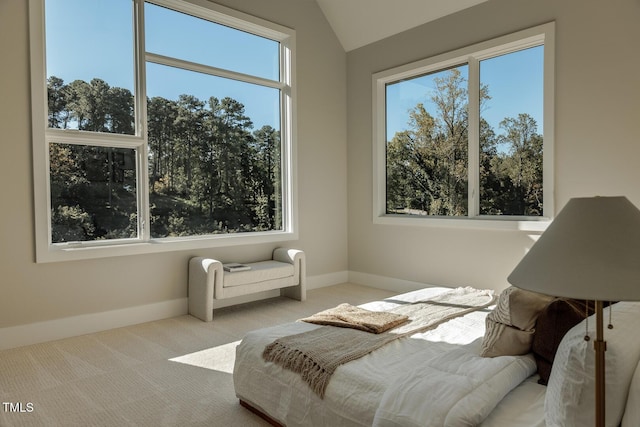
591	251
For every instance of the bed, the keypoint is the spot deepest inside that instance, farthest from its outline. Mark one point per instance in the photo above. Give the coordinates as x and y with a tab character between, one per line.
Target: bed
452	374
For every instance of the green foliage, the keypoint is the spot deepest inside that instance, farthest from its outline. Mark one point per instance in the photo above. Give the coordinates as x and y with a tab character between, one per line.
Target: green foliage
71	223
427	164
511	180
427	169
93	106
93	193
208	172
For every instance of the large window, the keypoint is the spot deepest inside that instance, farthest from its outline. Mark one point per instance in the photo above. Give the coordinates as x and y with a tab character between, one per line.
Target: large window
159	125
468	134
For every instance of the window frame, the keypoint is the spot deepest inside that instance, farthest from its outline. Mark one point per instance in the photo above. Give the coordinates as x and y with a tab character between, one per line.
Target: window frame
472	55
43	136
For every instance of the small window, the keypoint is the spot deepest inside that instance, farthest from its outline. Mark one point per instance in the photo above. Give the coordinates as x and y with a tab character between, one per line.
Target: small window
93	193
468	134
511	139
90	88
428	144
226	48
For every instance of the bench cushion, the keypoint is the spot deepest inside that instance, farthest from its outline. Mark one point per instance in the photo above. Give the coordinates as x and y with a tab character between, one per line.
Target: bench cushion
260	271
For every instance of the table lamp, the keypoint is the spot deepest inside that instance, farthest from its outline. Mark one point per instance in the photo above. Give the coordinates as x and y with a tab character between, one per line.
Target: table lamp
590	251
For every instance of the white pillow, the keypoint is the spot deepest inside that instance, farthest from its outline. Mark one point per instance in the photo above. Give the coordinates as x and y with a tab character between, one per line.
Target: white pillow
632	412
570	397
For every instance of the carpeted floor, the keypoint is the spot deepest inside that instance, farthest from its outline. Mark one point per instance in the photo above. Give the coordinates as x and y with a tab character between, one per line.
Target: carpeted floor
172	372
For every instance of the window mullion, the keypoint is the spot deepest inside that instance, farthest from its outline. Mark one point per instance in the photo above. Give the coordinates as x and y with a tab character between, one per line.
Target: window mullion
549	122
144	232
286	162
39	113
212	71
75	137
473	134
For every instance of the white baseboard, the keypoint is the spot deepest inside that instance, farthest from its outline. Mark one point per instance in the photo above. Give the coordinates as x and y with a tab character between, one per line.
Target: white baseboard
386	283
330	279
49	330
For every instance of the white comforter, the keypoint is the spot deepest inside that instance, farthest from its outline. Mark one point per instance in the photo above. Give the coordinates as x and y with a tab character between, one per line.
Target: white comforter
433	378
456	388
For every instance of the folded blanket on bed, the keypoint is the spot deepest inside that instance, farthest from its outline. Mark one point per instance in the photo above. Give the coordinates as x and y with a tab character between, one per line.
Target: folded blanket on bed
349	316
316	354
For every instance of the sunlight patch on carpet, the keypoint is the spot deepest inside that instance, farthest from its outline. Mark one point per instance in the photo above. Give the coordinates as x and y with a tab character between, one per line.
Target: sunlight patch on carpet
220	358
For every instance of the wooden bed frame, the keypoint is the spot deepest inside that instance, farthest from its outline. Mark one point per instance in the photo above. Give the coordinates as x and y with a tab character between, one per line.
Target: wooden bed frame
261	414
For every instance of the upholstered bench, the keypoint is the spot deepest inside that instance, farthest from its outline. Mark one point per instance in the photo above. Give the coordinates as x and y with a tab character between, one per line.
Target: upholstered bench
208	280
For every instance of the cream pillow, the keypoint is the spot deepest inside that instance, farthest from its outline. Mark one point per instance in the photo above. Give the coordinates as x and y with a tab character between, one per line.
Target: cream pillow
570	397
510	326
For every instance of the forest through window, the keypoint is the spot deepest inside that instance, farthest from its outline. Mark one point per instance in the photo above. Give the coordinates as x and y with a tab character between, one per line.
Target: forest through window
466	139
188	137
209	171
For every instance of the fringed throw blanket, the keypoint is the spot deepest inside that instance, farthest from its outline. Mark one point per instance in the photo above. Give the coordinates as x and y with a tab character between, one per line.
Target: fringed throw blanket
316	354
349	316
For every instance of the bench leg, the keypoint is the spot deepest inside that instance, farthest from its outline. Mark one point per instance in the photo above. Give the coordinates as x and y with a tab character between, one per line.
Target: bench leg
294	292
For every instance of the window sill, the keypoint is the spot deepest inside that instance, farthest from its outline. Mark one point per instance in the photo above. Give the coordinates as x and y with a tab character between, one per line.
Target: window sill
90	250
483	223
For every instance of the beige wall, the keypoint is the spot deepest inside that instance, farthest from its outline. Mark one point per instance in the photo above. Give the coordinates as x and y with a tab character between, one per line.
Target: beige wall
31	292
597	148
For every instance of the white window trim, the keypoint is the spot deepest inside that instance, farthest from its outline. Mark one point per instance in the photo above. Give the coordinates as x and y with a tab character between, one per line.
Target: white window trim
542	34
46	251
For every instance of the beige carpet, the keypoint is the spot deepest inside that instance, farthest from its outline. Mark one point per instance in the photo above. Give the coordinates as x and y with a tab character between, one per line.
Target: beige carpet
173	372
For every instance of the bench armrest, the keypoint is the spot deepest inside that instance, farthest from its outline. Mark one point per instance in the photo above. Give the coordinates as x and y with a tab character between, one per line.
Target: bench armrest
297	258
205	276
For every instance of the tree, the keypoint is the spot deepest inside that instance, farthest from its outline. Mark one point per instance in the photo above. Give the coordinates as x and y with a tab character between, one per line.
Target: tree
227	153
162	114
57	103
120	111
189	124
523	165
427	164
266	178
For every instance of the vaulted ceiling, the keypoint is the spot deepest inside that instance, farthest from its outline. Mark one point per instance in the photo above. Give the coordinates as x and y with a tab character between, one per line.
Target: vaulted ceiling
361	22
